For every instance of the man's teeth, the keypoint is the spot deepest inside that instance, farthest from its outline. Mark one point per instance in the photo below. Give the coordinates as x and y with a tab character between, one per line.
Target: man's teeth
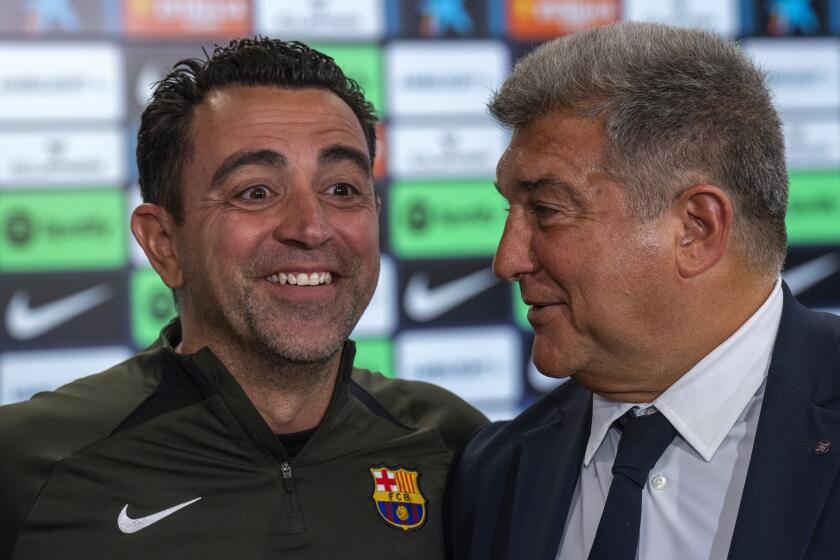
301	278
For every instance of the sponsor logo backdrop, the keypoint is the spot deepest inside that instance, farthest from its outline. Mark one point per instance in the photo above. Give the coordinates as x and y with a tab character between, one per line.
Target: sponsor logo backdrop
76	294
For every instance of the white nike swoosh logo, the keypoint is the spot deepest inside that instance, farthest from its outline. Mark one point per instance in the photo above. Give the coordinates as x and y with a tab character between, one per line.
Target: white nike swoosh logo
422	303
128	525
25	323
802	277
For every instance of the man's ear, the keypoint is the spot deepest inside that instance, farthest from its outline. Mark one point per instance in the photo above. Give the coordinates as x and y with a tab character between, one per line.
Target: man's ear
153	228
705	213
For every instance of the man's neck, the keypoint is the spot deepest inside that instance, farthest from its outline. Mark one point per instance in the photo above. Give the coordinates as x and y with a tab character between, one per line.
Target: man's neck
290	396
698	326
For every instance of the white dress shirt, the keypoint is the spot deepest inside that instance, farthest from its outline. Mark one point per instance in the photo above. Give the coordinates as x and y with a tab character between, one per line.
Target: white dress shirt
691	500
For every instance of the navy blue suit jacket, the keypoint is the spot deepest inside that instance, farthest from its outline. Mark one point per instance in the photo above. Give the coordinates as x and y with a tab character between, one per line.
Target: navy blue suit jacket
513	484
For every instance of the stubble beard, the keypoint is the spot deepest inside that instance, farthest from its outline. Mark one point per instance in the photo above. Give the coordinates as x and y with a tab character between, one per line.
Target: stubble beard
261	321
250	333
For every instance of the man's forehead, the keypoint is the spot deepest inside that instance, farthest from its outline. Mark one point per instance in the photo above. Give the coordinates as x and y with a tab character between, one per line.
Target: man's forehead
555	140
237	93
279	106
560	130
257	114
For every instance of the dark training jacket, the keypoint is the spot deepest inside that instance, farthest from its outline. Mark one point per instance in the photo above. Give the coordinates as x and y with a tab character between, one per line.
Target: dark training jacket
164	456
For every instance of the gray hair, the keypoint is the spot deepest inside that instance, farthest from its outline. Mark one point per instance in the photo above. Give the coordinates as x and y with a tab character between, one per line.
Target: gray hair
679	106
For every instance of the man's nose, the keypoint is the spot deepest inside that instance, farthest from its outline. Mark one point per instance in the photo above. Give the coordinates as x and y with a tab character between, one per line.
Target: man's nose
514	256
304	220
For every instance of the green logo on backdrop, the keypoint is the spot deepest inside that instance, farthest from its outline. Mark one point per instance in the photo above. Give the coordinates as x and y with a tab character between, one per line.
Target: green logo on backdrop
520	310
445	219
375	354
363	63
53	230
814	208
152	306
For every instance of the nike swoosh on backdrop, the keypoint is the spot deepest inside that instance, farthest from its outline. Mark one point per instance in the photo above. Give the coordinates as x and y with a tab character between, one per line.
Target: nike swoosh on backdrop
128	525
25	323
422	303
801	278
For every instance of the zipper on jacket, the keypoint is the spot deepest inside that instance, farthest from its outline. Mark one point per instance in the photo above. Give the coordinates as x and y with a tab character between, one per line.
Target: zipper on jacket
288	481
295	514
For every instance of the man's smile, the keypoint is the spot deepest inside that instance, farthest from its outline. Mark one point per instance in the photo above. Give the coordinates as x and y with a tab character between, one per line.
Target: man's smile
538	314
301	278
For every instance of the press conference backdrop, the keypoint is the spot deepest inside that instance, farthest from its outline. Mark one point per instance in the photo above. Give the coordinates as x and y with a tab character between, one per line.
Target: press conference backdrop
77	295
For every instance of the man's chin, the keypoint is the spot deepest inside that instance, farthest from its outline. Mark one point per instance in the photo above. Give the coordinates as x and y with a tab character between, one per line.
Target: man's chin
307	354
553	363
304	334
300	346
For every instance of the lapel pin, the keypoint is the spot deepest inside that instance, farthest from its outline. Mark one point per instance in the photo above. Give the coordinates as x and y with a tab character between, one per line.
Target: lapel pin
822	447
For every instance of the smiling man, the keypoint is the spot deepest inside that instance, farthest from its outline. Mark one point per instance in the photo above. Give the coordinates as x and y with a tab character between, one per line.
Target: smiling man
647	193
244	431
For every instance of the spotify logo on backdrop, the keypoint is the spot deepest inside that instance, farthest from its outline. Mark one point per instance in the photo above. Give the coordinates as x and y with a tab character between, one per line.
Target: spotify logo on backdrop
62	230
418	215
814	208
18	228
152	306
451	219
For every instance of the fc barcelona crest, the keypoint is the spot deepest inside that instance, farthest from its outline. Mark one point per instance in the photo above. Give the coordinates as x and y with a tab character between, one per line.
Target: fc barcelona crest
398	498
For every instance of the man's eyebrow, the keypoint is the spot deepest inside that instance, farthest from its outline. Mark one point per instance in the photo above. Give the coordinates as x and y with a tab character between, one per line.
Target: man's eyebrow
551	182
341	152
241	159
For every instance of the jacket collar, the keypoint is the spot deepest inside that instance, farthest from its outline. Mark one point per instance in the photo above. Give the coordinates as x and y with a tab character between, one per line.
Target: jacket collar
214	378
790	476
551	454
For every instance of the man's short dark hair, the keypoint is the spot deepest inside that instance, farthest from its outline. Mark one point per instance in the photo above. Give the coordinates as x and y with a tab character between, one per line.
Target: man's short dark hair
679	106
163	142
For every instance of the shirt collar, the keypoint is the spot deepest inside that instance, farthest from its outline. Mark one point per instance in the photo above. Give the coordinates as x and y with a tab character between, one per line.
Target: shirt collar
704	404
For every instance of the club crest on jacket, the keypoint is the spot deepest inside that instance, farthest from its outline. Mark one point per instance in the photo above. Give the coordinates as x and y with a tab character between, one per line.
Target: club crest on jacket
398	498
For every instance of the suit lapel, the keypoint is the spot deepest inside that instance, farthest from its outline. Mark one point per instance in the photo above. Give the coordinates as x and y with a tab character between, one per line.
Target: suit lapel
789	478
549	466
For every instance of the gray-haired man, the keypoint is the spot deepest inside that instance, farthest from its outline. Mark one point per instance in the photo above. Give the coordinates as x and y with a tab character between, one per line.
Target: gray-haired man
647	189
